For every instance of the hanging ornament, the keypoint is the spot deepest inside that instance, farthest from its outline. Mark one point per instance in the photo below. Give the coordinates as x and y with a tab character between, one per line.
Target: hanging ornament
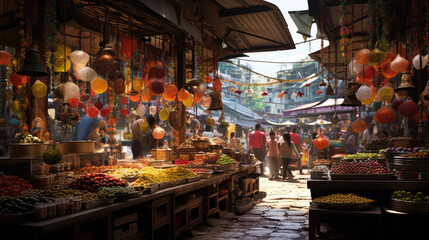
104	65
157	87
170	92
152	110
368	73
104	112
79	59
98	104
163	114
232	89
158	133
370	100
73	102
156	72
384	115
281	95
408	108
329	90
189	101
293	95
362	56
208	79
137	84
182	95
398	102
92	112
3	122
264	93
141	110
387	70
124	112
128	46
119	86
4	58
210	121
17	107
127	135
200	90
136	97
146	94
417	117
17	79
364	92
417	62
238	92
319	92
39	89
358	125
87	74
217	85
99	85
376	57
124	100
144	127
62	65
386	92
70	90
400	64
299	93
14	123
321	142
206	101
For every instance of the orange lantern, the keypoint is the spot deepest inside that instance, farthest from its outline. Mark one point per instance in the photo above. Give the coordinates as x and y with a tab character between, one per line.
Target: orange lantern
99	85
400	64
146	94
137	84
384	115
104	64
208	79
387	70
362	56
182	95
170	92
135	98
281	95
92	112
17	79
197	98
158	133
358	125
4	58
232	89
321	142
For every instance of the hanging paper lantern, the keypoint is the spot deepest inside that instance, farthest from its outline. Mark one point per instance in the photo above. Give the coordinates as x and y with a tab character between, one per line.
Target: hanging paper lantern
137	84
17	106
119	86
208	79
141	110
321	142
158	133
17	79
358	125
128	47
400	64
189	101
146	94
163	114
398	102
4	58
408	108
197	99
39	89
62	65
156	73
62	51
386	92
112	121
124	100
417	62
281	95
369	72
182	95
70	90
73	102
232	89
376	57
135	98
92	112
293	95
362	56
104	64
121	124
87	74
144	127
319	92
156	86
152	110
206	101
98	104
124	112
384	115
387	70
104	112
14	123
79	59
99	85
170	92
417	117
364	92
127	135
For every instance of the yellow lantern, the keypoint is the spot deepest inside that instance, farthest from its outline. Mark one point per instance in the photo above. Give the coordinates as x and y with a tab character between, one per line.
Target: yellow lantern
146	94
62	65
163	114
189	101
144	127
128	135
39	89
137	84
386	92
99	85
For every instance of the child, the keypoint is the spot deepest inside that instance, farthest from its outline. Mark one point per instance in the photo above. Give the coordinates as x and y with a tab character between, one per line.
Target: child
273	155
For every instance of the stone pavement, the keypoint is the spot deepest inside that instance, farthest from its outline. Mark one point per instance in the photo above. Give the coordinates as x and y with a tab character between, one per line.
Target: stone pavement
282	214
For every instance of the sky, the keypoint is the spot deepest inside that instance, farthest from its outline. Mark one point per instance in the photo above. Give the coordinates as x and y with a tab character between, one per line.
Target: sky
301	51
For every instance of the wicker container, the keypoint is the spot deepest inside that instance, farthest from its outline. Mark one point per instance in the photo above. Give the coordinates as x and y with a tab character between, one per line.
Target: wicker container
80	146
27	150
411	164
413	207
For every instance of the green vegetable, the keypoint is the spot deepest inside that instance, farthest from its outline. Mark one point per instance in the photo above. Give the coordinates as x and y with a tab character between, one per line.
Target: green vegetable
225	159
52	155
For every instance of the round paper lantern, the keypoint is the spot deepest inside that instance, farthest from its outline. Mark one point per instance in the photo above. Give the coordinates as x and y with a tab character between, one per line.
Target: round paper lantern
400	64
146	94
208	79
104	112
182	95
321	142
408	108
152	110
384	115
14	123
119	86
92	112
4	58
112	121
104	64
98	104
39	89
364	92
170	92
189	101
121	124
398	102
156	86
128	47
293	95
87	74
3	122
362	56
206	101
416	61
73	102
358	125
137	84
144	127
79	59
124	100
281	95
156	73
163	114
62	51
387	70
127	135
141	110
417	118
124	112
386	92
99	85
376	57
135	98
158	133
369	72
352	66
62	65
17	79
70	90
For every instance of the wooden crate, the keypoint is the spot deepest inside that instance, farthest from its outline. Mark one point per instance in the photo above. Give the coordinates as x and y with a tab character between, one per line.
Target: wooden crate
161	212
195	212
126	231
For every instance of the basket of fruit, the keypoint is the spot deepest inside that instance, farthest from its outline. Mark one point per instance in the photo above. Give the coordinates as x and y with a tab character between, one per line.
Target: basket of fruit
320	172
415	162
404	201
26	146
227	163
361	170
406	142
340	201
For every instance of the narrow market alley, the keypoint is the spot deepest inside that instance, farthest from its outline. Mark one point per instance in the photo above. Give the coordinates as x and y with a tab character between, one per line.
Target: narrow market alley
282	214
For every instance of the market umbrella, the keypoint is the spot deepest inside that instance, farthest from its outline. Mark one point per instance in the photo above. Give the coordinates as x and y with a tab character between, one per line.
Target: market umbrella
288	123
319	122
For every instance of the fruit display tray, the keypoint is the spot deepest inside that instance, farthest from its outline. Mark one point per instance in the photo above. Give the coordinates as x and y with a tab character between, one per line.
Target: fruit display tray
92	203
151	189
411	164
16	218
362	176
412	207
345	206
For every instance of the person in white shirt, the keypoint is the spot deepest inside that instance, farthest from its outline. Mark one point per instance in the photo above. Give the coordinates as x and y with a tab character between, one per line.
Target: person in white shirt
368	135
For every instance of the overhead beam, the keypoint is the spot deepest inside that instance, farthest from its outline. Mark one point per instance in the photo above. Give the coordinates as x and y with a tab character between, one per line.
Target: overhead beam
233	12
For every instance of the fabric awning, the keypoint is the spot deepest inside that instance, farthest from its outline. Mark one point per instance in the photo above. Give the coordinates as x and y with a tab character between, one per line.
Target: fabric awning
322	107
287	123
301	107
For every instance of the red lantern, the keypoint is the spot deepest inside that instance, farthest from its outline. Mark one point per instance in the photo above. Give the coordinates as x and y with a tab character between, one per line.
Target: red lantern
104	112
408	108
158	133
4	58
124	100
98	104
104	64
73	102
135	98
424	118
128	47
124	112
157	87
207	79
156	73
384	115
92	112
321	142
398	102
17	79
358	125
80	105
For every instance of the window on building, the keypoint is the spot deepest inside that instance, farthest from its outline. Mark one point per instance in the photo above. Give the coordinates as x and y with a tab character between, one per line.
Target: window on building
278	110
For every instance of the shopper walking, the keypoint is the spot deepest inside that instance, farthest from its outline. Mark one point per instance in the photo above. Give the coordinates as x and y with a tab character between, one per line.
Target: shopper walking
313	152
233	142
257	143
273	156
296	139
288	151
